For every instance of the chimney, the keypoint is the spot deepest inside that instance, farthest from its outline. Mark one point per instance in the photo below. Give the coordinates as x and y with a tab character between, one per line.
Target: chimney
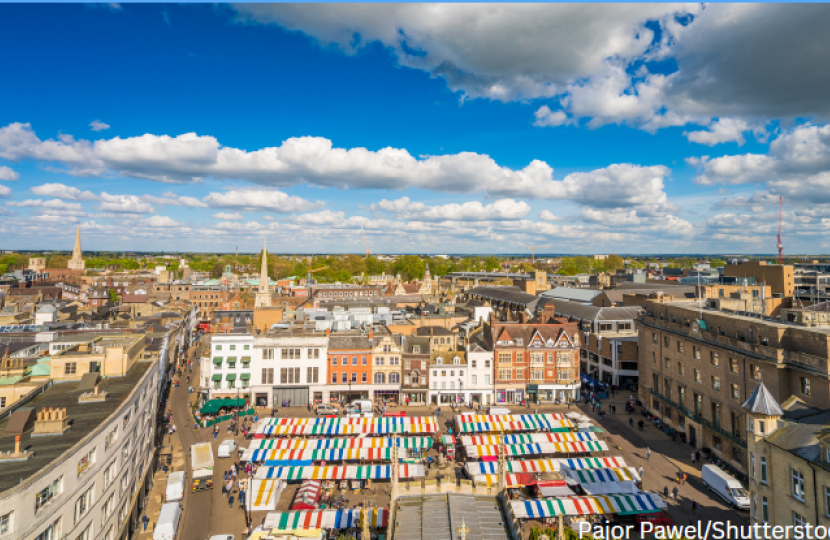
522	317
328	332
371	334
17	444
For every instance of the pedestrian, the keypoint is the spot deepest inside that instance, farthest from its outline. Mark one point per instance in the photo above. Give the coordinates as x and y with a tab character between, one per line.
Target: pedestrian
614	409
640	471
648	453
145	520
693	457
674	493
683	479
631	422
697	456
666	492
230	502
241	498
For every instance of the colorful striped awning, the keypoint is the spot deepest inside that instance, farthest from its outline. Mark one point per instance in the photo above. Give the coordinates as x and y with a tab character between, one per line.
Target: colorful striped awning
468	423
324	420
335	427
546	465
577	447
323	519
334	454
511	480
527	438
342	472
581	506
265	494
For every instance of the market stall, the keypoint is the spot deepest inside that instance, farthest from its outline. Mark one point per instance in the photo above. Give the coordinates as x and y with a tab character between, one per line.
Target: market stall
308	496
345	472
580	447
580	506
280	522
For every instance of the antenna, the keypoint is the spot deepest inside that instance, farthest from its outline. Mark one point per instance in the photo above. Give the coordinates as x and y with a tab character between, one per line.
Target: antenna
780	246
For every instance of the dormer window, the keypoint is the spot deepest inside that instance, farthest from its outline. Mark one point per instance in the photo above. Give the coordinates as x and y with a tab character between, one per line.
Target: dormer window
456	360
416	349
519	341
439	360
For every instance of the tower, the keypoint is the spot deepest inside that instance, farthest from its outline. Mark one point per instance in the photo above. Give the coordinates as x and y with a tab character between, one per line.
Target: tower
77	260
763	414
263	292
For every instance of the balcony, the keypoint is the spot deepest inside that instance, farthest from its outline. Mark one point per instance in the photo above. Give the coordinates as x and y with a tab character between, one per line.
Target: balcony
700	419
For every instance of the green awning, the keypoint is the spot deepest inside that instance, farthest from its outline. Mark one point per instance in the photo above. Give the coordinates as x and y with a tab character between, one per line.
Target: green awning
231	359
230	377
246	358
246	376
702	324
211	407
218	360
217	377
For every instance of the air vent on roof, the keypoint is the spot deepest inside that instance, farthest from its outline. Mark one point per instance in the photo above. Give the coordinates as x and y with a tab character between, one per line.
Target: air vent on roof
92	397
17	455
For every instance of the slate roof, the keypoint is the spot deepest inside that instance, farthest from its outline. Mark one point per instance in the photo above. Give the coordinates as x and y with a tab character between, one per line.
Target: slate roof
572	294
511	294
564	308
423	342
349	343
802	438
433	331
762	402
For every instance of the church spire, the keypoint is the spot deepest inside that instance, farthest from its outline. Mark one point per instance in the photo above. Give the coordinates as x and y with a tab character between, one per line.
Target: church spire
77	260
263	294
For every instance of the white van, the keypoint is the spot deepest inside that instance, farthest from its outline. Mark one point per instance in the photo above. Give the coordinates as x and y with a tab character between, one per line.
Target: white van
168	522
175	487
227	448
362	405
498	410
729	489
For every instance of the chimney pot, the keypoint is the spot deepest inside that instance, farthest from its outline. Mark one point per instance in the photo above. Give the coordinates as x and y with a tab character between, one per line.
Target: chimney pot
17	444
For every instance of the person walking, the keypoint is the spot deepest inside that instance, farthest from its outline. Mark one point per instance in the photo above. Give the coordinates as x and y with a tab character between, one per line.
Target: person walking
674	493
693	458
230	502
145	520
666	492
631	422
648	453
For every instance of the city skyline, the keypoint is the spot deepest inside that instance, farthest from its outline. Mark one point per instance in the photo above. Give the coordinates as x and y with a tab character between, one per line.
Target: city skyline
624	130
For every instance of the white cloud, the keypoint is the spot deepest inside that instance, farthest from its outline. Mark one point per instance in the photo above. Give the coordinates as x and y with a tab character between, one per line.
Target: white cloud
97	125
249	226
8	174
124	203
503	209
171	199
161	221
227	216
62	191
497	51
326	217
5	191
260	200
546	215
546	117
52	204
722	131
18	141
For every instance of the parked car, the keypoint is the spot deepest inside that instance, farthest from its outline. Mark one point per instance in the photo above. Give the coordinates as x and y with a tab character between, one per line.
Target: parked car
227	448
327	410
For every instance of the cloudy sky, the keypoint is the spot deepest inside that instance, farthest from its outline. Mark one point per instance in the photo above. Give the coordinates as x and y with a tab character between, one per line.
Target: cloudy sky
486	128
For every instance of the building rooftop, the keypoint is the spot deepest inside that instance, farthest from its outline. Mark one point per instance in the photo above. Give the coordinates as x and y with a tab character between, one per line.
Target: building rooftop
83	419
593	313
438	517
571	293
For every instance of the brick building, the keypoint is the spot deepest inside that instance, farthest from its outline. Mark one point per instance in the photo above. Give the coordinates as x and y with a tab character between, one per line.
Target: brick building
349	368
697	368
779	277
415	370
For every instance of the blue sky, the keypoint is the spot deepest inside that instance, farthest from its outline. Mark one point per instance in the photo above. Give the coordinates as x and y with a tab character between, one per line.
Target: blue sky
450	128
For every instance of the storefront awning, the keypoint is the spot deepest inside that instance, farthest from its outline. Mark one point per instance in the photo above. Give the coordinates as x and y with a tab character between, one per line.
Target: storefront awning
217	377
230	377
245	376
217	361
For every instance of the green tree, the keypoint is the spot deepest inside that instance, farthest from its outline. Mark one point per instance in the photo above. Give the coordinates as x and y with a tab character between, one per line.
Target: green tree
572	266
114	296
217	270
717	263
614	263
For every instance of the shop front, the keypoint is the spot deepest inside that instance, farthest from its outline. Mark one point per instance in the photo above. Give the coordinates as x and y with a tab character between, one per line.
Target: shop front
347	396
510	395
387	396
415	397
552	393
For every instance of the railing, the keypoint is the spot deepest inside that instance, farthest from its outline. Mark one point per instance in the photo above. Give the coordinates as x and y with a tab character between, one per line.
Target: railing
700	419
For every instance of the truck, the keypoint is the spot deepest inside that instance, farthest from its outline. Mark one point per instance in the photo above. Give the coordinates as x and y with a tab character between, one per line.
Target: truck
201	461
727	487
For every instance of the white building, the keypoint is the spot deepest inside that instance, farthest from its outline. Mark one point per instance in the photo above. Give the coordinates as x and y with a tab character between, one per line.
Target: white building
88	481
228	372
289	366
480	373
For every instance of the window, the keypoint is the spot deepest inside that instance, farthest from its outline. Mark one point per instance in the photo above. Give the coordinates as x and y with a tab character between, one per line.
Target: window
681	369
520	374
83	504
52	532
290	375
126	421
364	361
379	361
504	375
798	519
354	360
111	436
334	378
666	341
6	522
654	338
312	375
752	465
487	379
668	364
344	377
231	362
364	377
473	363
733	365
805	386
762	427
334	361
354	376
86	462
697	376
655	382
108	536
564	374
756	372
218	348
680	346
380	378
232	347
443	385
290	354
473	380
715	359
268	376
109	474
715	383
797	481
487	363
70	368
394	378
654	358
267	354
108	507
246	347
696	352
764	509
826	503
504	358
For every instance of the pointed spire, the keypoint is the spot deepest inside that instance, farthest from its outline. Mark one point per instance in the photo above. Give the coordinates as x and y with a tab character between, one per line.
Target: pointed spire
76	253
77	260
263	273
761	402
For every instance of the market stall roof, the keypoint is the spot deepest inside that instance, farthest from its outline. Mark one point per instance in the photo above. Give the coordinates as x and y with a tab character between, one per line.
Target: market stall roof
469	423
343	472
335	454
349	426
286	421
265	494
323	519
526	438
476	451
510	480
332	443
580	506
555	491
545	465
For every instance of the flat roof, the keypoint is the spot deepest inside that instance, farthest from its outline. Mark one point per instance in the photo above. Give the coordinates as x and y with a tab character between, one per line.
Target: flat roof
84	419
438	517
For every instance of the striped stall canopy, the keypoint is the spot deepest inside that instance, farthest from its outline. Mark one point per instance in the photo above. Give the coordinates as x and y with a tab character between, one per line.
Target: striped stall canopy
343	472
511	480
265	494
506	423
381	426
319	421
592	476
325	444
324	519
577	447
527	438
546	465
582	506
340	454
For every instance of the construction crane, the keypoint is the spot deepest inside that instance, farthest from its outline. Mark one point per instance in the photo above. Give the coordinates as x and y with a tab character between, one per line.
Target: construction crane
365	243
780	245
533	250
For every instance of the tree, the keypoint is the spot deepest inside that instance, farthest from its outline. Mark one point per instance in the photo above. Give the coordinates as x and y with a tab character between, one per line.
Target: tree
614	262
575	265
114	296
217	270
717	263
